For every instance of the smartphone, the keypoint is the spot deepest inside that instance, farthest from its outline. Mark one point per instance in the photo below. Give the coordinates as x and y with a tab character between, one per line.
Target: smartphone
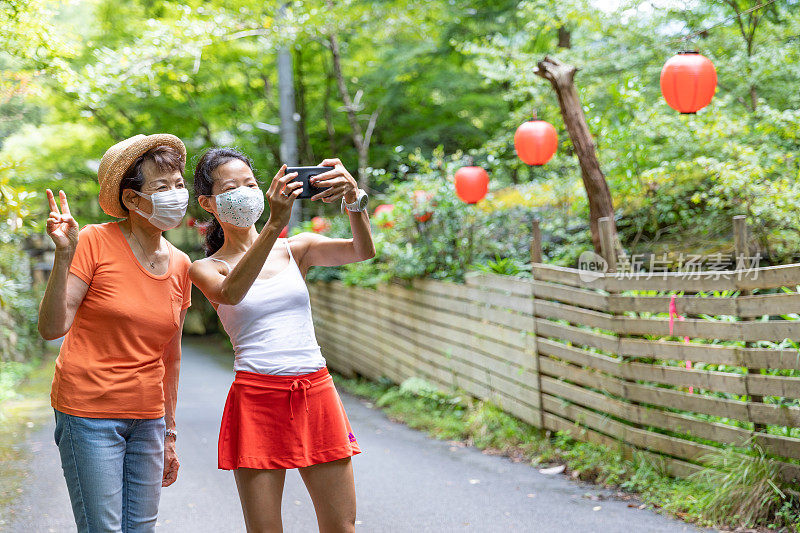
303	175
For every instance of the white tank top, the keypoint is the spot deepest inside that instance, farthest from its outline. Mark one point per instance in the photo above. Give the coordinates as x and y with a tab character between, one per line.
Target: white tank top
271	328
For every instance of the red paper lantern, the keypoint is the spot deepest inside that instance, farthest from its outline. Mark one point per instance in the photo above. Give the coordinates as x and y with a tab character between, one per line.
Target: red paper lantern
284	232
536	141
688	82
383	215
471	184
320	224
422	197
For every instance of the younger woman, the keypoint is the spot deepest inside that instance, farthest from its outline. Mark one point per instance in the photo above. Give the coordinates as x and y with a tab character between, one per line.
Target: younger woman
282	410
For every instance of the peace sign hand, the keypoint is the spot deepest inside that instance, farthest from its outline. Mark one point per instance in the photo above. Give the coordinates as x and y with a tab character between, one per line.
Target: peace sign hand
61	227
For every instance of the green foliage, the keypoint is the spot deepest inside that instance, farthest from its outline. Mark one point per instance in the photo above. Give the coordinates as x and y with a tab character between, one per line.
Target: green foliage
456	235
504	265
19	338
440	77
748	492
418	388
488	426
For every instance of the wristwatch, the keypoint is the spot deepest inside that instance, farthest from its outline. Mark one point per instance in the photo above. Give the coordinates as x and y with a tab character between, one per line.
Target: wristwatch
362	199
171	433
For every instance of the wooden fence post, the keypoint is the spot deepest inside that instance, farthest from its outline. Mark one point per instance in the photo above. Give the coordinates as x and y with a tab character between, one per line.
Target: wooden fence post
607	242
536	257
536	242
739	241
740	253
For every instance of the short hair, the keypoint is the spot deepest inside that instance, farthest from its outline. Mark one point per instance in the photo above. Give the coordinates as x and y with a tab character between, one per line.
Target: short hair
166	159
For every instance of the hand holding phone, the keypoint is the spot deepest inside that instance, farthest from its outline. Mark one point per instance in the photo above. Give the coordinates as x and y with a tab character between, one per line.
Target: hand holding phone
303	175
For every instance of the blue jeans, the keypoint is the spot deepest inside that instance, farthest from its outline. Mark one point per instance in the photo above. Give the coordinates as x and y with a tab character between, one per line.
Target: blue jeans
113	468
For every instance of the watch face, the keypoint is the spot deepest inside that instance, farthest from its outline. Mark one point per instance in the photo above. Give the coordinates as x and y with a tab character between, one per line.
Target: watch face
362	201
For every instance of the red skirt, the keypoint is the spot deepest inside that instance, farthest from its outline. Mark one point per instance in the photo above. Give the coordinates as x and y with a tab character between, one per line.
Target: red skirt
272	422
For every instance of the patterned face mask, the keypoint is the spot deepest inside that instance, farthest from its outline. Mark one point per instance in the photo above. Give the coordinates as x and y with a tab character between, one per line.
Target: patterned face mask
241	206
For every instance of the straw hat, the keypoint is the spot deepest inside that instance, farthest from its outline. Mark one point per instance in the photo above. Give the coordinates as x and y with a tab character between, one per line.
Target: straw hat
119	158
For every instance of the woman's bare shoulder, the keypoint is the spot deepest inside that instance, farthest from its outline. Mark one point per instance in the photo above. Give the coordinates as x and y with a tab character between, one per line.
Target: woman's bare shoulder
204	266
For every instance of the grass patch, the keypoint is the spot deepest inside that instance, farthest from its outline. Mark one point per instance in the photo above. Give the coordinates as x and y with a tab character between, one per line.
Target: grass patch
734	493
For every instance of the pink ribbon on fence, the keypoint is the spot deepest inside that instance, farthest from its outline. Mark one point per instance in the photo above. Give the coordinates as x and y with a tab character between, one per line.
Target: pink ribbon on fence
673	312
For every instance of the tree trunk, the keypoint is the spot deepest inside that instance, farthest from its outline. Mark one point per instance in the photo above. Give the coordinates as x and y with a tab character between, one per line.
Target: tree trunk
562	77
564	38
361	140
306	152
326	112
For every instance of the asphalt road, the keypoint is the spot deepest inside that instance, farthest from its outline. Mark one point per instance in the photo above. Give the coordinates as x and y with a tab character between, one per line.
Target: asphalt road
405	481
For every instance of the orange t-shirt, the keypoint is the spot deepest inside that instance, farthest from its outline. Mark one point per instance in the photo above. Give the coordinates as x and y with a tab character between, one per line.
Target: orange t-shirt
110	364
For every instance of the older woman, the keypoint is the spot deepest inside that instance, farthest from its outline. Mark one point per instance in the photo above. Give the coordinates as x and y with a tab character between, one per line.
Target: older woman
119	291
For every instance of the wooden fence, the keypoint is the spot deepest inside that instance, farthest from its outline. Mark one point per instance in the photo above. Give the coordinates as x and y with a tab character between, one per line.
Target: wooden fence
593	358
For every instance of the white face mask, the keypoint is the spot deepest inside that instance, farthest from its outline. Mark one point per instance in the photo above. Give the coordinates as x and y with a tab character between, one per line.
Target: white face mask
168	207
241	206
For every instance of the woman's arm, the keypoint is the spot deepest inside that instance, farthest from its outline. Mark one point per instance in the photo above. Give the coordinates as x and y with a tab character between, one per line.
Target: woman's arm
172	368
231	288
318	250
64	291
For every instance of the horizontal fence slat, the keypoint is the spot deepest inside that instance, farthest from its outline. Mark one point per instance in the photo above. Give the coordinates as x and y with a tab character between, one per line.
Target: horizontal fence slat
543	290
741	306
773	330
685	305
699	281
782	386
670	398
768	304
568	276
499	282
715	381
663	349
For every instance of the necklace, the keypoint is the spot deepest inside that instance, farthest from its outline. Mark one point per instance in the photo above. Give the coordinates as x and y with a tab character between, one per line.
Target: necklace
152	262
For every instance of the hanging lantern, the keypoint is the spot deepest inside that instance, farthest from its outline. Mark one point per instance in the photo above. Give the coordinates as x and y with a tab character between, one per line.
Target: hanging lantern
383	215
688	81
471	184
422	198
320	225
536	141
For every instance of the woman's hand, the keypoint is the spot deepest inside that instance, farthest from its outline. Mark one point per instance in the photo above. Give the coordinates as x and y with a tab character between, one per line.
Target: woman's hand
338	183
281	195
61	227
171	464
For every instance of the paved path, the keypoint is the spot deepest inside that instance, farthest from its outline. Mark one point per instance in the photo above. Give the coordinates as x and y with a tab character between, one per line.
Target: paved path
405	481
